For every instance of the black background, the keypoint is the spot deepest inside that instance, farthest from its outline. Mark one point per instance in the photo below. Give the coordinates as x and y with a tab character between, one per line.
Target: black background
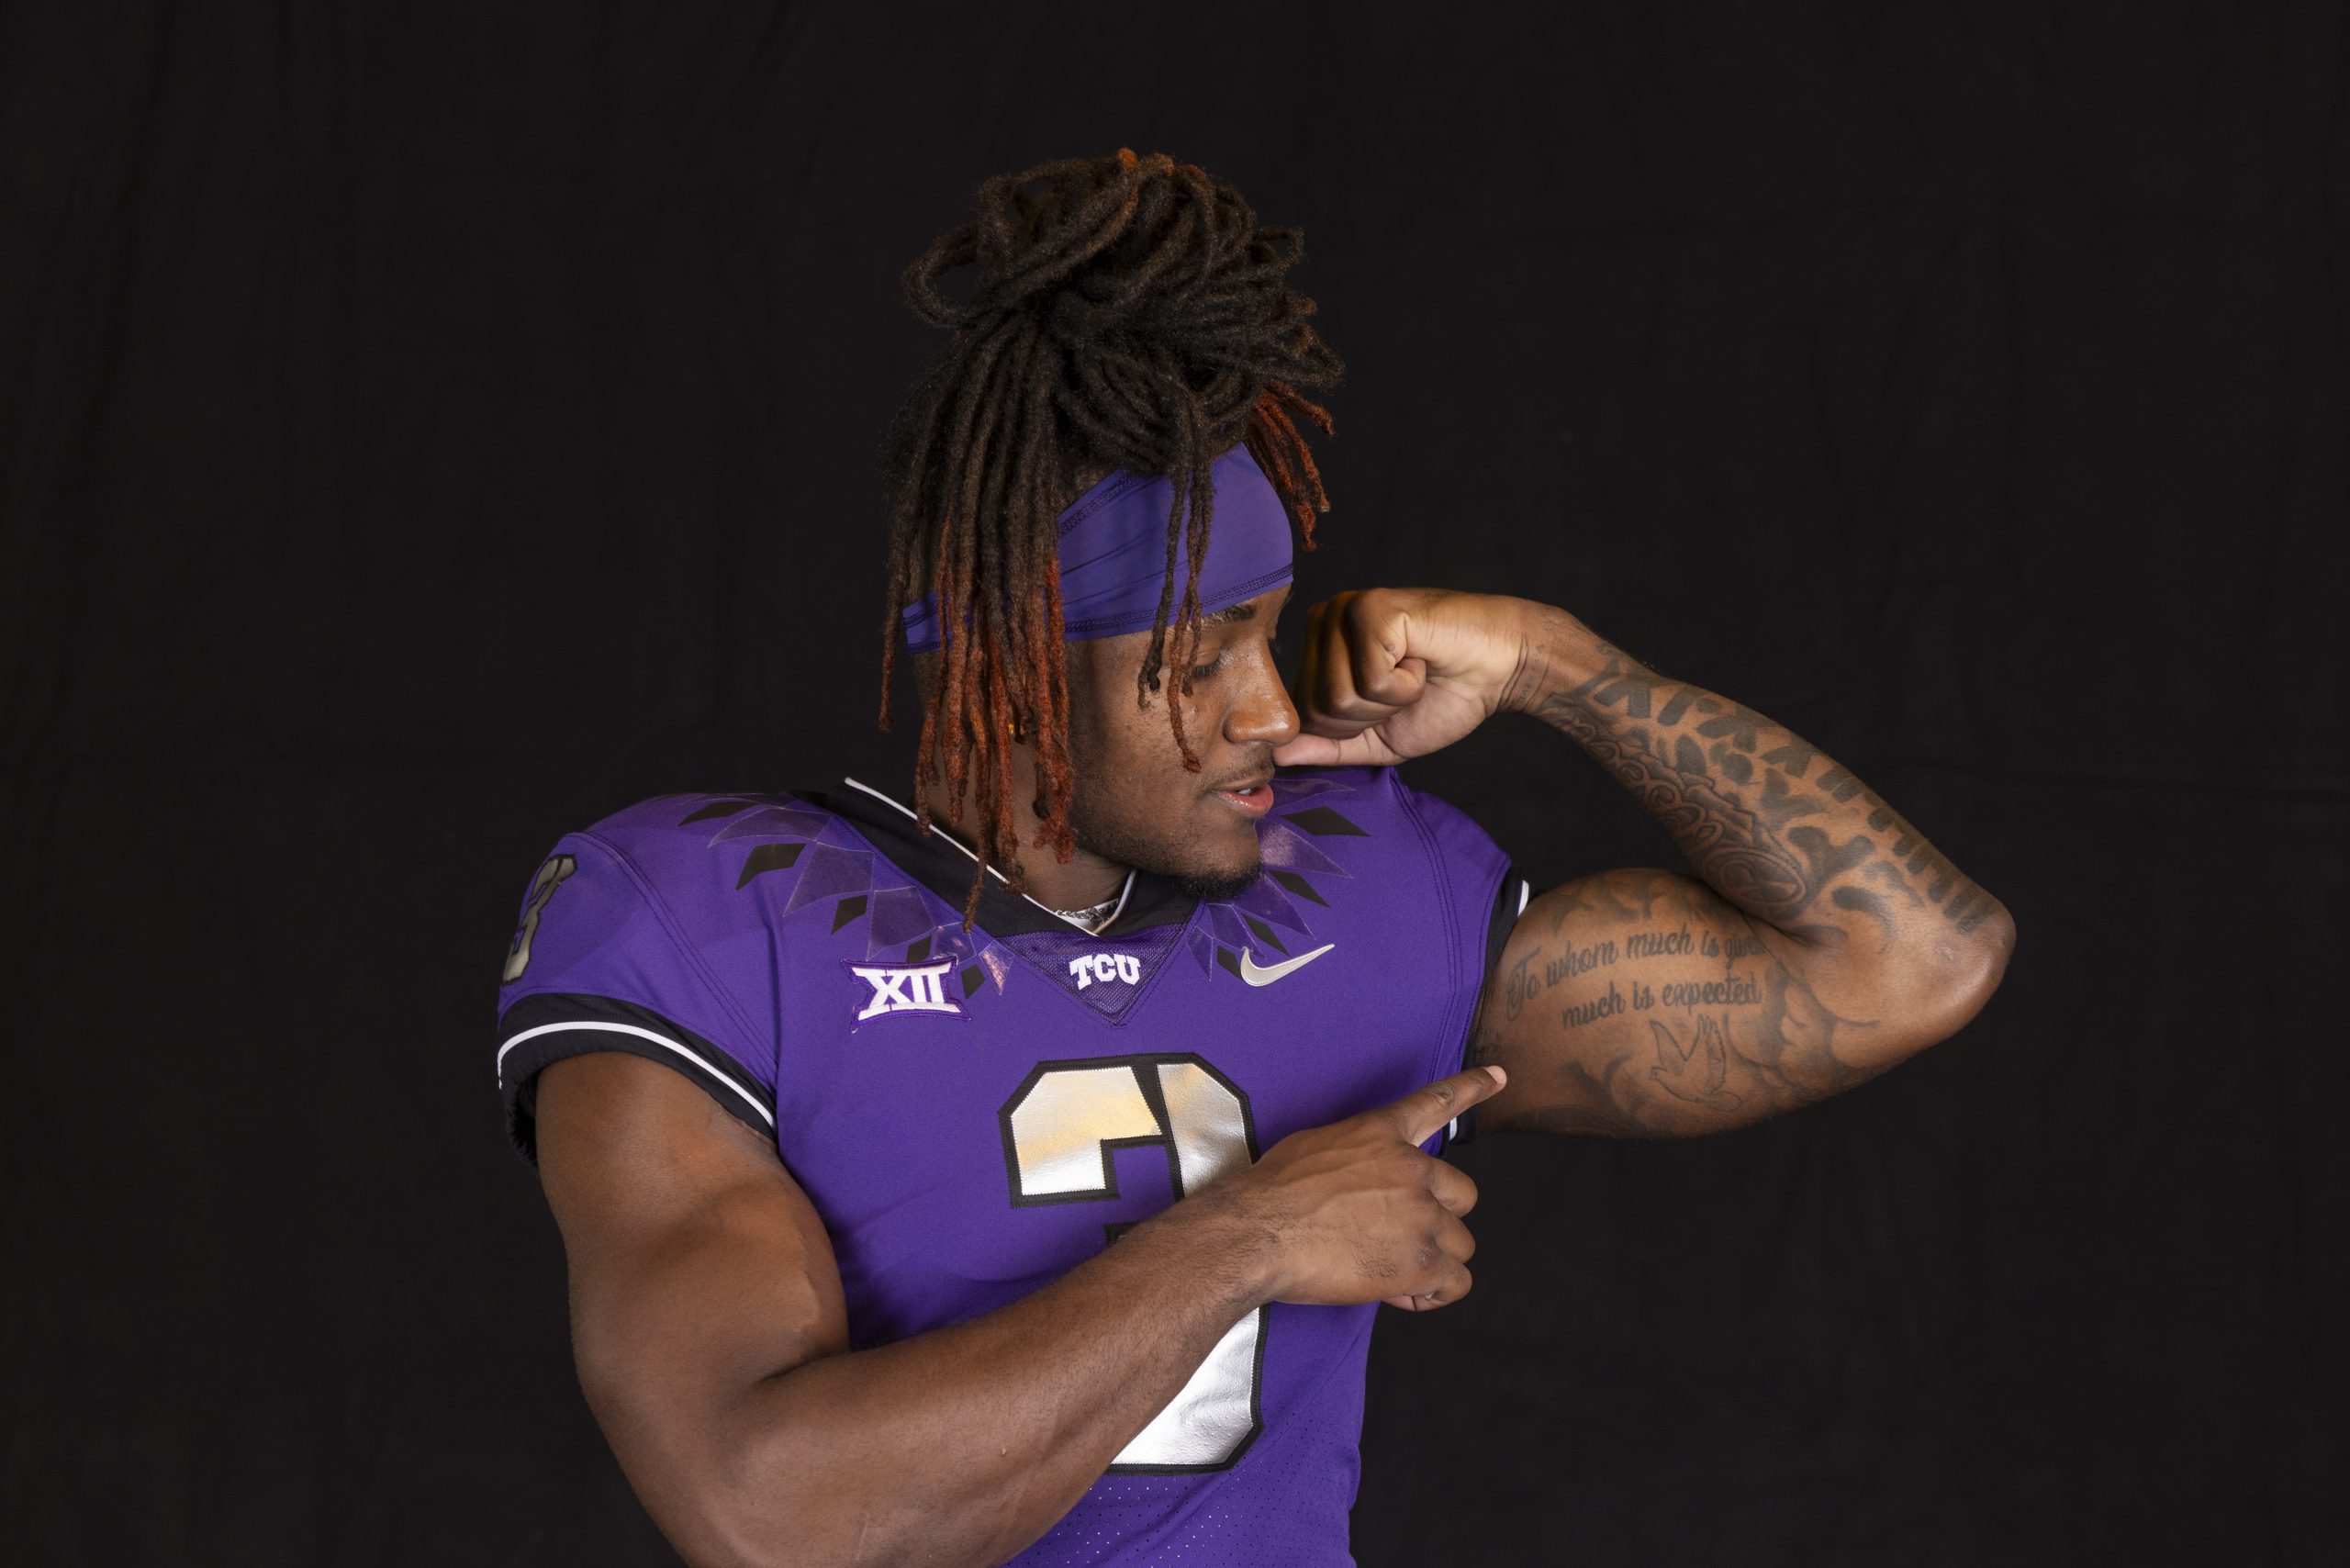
429	427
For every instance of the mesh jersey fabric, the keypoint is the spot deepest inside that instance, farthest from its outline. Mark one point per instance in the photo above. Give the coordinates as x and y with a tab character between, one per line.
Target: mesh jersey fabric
973	1113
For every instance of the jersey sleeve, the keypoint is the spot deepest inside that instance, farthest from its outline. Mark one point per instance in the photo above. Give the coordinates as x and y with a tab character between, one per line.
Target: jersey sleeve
1483	894
599	961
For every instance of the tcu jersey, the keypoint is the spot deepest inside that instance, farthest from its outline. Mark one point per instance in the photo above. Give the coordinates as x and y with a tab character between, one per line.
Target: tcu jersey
975	1112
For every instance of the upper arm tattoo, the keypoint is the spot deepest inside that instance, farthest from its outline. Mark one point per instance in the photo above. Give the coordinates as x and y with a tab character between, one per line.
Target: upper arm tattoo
1641	1004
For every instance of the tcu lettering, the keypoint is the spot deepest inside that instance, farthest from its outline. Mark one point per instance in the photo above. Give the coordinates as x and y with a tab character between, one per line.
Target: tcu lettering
1090	966
906	987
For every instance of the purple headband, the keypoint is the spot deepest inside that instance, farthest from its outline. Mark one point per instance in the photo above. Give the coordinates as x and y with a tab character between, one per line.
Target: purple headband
1113	551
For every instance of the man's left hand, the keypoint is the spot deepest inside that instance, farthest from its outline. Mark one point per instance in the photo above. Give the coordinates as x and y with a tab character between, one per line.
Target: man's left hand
1392	673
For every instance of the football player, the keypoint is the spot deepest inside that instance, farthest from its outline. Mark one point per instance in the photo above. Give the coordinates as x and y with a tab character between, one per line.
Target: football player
1011	1168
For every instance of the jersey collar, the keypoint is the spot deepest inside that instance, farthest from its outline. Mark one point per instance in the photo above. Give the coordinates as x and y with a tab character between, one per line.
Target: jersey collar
943	863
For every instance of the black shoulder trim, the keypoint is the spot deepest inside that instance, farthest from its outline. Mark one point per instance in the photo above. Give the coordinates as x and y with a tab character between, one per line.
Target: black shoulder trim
540	1030
1509	902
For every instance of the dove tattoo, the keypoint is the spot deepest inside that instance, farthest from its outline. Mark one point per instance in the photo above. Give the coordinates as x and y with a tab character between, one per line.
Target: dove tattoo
1695	1072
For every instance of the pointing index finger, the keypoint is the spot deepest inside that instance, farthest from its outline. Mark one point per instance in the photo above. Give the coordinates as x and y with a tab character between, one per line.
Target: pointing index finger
1420	1115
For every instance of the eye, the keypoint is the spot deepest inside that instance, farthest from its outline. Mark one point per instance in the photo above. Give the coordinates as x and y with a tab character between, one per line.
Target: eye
1201	672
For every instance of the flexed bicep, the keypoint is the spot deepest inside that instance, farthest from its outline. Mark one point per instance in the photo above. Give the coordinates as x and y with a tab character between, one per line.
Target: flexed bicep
1641	1004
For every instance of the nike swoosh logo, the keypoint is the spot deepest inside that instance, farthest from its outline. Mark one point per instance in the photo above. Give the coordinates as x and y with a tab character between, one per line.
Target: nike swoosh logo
1251	972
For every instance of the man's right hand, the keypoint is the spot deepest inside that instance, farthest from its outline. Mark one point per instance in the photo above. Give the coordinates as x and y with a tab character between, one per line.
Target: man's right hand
1357	1213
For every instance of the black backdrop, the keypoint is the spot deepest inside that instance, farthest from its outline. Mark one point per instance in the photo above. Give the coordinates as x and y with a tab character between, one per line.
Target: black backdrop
430	427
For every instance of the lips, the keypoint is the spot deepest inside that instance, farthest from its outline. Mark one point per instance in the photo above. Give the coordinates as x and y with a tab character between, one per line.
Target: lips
1251	796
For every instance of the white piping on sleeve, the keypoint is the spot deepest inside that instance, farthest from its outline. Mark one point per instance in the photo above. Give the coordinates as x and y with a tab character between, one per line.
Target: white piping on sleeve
663	1041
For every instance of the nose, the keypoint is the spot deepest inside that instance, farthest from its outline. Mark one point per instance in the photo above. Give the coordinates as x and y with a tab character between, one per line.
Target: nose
1263	715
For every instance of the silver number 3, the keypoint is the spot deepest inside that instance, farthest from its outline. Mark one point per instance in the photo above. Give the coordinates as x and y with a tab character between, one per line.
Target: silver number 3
1058	1129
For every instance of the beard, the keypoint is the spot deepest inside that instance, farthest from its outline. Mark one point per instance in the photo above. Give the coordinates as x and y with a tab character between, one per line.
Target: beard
1113	842
1124	845
1216	889
1131	842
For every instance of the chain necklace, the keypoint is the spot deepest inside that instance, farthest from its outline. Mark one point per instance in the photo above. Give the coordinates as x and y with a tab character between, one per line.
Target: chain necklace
1087	917
1091	915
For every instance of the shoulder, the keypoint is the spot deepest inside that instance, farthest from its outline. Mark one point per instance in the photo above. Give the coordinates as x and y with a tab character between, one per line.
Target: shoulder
661	894
707	860
650	932
691	842
1339	803
1419	861
1368	820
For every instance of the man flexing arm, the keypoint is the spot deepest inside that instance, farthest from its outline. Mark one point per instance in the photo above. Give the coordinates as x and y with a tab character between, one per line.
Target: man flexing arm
1826	941
712	1342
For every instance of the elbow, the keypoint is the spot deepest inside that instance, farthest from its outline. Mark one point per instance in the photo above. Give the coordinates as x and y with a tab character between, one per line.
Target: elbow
740	1527
745	1503
826	1516
787	1499
1963	972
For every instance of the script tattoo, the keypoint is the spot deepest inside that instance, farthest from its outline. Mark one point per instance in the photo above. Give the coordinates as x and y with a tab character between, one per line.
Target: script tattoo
1692	1025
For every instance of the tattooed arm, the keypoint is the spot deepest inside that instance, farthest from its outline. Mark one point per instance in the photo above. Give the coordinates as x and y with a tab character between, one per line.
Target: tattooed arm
1827	941
1822	940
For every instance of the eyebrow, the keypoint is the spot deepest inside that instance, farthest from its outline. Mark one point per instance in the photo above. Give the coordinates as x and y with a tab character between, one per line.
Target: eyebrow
1235	613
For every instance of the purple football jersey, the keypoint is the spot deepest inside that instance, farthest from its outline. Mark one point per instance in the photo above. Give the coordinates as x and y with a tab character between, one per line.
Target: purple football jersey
975	1112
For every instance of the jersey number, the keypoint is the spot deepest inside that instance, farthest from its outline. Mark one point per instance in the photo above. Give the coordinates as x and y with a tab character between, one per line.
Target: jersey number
552	872
1058	1129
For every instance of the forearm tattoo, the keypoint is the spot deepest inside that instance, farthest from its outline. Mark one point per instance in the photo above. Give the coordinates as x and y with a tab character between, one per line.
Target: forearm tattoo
1765	818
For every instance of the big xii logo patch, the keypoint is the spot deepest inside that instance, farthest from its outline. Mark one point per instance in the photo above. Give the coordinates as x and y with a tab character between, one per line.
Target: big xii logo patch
905	988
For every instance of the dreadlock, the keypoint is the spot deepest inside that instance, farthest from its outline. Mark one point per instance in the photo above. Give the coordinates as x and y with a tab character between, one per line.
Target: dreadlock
1124	312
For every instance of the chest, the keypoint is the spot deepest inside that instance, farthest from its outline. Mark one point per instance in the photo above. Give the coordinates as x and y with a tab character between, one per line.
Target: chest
973	1124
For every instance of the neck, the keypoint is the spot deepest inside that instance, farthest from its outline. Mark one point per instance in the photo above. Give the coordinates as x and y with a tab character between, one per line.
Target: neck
1087	878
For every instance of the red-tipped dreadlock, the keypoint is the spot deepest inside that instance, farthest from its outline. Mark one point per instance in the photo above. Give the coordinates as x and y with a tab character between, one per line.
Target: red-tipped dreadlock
1124	312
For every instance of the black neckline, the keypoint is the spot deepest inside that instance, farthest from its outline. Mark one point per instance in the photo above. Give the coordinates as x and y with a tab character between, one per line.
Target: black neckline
945	868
